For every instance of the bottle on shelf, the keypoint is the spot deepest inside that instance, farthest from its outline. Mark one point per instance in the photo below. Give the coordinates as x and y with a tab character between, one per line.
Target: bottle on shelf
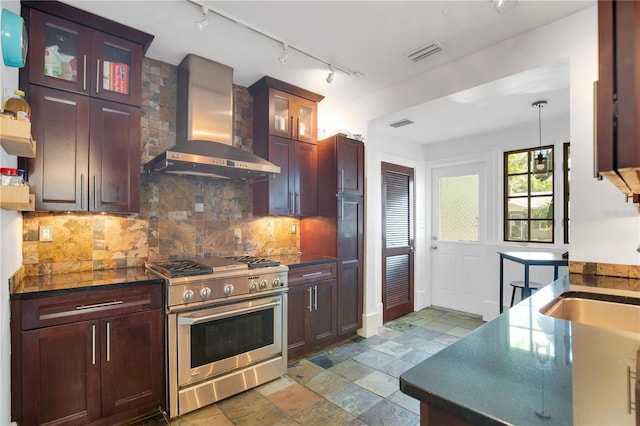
18	106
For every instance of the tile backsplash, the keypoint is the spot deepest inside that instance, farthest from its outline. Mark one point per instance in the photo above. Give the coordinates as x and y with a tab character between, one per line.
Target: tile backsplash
180	216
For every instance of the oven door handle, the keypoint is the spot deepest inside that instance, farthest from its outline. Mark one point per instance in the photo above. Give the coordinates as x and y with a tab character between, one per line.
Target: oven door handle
185	320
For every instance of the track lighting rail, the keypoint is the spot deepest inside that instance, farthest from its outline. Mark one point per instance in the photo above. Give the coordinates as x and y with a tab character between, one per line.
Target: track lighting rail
279	42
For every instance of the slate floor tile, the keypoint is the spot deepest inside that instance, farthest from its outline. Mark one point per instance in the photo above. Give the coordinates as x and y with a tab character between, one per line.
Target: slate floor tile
388	413
328	359
354	399
380	383
373	359
351	370
326	382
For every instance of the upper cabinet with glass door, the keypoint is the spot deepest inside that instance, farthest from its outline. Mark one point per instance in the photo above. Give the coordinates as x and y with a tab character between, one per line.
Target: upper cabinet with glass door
70	56
291	111
292	117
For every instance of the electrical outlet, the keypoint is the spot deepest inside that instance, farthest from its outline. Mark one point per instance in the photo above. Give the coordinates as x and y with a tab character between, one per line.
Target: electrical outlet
46	233
293	228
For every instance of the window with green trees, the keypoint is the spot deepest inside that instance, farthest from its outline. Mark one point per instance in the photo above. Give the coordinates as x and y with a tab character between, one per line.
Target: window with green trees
528	200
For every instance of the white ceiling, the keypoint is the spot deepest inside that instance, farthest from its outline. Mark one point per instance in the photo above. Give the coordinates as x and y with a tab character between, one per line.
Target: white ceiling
369	37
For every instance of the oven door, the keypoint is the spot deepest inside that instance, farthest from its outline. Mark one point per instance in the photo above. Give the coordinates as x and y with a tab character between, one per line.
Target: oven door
217	340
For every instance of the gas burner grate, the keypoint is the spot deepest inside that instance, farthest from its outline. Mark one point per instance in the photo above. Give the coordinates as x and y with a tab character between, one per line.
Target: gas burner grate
255	262
182	268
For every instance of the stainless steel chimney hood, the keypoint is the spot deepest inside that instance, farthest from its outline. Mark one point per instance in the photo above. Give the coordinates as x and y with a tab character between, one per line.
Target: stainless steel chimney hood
204	128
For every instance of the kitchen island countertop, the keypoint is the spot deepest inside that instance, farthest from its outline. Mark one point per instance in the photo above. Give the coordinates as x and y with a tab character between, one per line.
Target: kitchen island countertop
493	377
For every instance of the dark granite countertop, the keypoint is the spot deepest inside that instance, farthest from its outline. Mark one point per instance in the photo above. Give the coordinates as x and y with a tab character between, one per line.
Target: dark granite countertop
302	259
45	285
492	375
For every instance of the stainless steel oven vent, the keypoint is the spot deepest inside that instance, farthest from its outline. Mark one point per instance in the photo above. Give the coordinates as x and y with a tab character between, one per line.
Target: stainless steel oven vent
400	123
425	51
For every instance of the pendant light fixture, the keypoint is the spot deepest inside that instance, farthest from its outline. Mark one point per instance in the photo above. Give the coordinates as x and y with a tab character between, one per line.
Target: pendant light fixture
540	167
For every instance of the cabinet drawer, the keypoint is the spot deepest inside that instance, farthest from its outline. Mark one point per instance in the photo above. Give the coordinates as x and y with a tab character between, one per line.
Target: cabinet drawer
312	273
89	305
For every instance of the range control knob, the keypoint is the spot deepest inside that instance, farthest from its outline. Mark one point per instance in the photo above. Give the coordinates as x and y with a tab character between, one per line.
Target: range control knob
188	295
253	287
228	289
276	283
263	284
205	293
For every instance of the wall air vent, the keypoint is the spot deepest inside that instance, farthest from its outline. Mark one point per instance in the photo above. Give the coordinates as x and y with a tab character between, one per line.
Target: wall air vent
425	51
400	123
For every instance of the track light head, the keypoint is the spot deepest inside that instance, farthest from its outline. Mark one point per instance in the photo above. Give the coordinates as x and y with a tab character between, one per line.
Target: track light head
285	53
330	75
202	23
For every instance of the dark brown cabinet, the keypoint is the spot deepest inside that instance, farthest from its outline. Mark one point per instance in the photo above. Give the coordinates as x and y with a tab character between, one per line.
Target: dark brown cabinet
338	230
293	191
102	137
284	110
84	87
72	56
284	132
312	314
87	357
617	106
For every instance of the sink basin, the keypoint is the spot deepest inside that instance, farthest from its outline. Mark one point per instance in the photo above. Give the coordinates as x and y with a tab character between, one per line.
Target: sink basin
608	311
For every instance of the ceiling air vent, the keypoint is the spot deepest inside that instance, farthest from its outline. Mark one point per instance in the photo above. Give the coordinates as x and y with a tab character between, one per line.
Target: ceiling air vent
400	123
425	51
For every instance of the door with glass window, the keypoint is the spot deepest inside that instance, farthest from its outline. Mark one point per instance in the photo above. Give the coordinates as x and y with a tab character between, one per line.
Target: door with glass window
457	242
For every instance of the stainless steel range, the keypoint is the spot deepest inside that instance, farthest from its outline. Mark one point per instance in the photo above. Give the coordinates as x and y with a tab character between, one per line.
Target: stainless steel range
226	327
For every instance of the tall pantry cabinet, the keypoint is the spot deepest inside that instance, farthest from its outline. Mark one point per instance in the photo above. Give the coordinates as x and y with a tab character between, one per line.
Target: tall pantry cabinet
338	230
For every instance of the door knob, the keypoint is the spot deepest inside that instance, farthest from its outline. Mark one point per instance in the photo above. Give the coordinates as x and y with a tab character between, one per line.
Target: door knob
434	247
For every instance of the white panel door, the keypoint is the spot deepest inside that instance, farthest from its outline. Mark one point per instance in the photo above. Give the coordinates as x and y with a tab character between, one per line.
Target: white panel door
457	242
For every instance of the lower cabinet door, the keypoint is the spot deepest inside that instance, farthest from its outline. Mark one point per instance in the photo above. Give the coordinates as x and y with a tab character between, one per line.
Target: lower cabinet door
61	378
131	363
298	311
324	317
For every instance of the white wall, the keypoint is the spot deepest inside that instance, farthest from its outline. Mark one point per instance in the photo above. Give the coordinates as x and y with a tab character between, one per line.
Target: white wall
603	228
10	246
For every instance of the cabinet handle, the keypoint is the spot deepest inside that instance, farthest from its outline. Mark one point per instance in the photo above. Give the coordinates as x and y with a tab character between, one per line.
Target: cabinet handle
93	344
108	342
315	297
596	174
311	274
84	73
310	301
61	101
298	202
81	192
292	208
341	180
631	377
95	192
341	209
99	305
291	127
298	128
98	76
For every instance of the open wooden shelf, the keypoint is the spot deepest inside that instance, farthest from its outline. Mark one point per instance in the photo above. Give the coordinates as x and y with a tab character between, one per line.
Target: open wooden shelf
15	137
17	197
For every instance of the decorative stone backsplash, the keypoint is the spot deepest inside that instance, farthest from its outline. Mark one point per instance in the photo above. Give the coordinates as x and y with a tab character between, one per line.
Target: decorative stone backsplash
180	216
